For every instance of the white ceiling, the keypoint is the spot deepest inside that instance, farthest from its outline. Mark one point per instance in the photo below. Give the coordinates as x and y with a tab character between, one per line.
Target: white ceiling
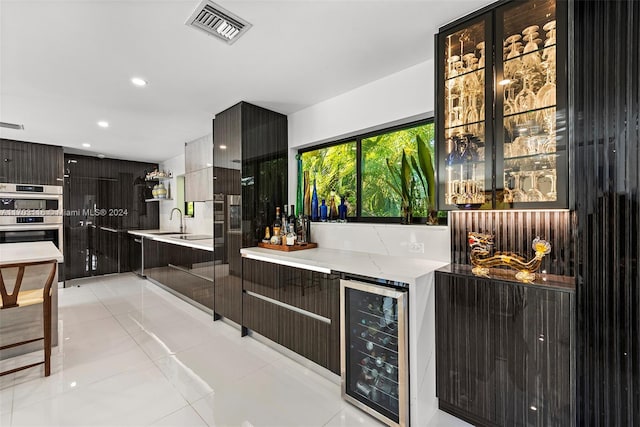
64	65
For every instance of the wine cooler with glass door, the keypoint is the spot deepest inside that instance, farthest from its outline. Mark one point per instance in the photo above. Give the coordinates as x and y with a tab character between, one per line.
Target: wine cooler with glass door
374	349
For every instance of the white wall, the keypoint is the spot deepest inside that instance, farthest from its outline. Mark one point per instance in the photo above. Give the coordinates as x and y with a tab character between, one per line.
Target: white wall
402	97
202	222
405	95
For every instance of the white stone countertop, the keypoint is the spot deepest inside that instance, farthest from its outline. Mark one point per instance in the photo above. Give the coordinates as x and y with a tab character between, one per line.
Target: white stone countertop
204	244
401	269
11	253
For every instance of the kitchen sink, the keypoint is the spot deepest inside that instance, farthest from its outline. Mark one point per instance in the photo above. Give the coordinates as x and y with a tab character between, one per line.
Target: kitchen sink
194	237
164	233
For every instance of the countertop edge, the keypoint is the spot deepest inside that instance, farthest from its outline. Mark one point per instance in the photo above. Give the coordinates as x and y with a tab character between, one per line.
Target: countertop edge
165	239
545	281
294	259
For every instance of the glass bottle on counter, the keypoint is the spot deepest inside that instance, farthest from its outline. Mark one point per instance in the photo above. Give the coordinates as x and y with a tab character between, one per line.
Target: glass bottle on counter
292	215
323	211
291	235
314	203
277	223
342	210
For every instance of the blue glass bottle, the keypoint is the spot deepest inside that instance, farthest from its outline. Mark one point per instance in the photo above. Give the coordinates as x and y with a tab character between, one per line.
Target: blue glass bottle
314	203
323	212
342	210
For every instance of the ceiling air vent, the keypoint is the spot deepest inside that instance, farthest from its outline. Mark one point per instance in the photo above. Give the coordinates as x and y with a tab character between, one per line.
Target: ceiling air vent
217	21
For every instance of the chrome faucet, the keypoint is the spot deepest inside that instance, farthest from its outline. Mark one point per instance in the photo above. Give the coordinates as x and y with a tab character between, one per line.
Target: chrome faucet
181	218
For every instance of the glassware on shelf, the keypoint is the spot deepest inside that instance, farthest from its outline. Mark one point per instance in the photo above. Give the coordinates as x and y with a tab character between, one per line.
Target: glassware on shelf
512	42
533	193
526	99
481	60
550	42
546	96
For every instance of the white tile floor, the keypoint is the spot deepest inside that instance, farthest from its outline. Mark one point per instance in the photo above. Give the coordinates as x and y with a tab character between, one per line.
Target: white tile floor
132	354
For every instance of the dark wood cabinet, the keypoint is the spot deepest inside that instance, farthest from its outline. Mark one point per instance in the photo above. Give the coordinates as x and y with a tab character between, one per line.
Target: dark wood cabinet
261	278
107	198
504	350
297	308
29	163
186	271
250	165
106	250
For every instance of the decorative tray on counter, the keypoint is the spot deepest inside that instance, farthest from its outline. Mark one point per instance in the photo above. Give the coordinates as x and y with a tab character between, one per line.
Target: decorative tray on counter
285	248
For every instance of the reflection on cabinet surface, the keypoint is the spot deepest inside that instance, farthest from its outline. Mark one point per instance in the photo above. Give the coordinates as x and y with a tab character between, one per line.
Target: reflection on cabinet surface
517	159
306	321
186	271
29	163
504	351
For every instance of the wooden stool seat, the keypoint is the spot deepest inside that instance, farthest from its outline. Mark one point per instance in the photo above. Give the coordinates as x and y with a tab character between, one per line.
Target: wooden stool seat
40	273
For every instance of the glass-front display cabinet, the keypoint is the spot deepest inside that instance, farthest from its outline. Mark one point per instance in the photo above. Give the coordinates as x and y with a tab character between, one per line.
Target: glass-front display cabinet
501	113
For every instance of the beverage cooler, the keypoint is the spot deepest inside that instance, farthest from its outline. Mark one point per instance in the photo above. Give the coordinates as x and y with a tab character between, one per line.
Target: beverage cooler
374	349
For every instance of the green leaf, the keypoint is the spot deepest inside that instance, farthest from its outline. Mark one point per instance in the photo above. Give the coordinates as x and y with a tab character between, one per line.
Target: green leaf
426	165
406	179
425	187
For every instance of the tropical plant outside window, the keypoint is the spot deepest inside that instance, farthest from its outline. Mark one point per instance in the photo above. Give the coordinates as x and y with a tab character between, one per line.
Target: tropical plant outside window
335	169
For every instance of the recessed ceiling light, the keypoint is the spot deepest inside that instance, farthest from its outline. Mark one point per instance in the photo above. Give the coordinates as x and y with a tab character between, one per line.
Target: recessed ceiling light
86	145
223	147
138	81
103	124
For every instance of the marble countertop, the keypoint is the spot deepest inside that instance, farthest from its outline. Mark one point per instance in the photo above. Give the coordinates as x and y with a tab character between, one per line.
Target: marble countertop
11	253
204	244
401	269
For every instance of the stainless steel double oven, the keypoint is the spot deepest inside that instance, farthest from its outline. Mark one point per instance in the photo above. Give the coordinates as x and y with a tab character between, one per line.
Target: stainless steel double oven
31	213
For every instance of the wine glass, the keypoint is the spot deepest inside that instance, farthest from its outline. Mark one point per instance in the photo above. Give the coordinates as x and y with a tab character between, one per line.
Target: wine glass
533	194
532	58
526	99
451	65
470	59
547	94
514	46
518	195
480	47
552	195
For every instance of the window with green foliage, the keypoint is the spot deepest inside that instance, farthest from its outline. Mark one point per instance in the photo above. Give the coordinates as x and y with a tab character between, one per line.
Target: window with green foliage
379	198
386	184
334	170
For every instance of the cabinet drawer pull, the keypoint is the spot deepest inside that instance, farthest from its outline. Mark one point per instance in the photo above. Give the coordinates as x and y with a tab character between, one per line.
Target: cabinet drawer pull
290	307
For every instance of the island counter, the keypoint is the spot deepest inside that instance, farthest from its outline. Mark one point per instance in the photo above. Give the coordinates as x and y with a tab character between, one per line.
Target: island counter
19	325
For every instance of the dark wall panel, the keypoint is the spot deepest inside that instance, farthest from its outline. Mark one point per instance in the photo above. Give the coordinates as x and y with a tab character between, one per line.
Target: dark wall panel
606	106
514	232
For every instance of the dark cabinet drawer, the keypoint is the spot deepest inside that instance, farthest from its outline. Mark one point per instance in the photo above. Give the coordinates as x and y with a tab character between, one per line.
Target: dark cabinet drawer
260	316
261	278
297	308
308	290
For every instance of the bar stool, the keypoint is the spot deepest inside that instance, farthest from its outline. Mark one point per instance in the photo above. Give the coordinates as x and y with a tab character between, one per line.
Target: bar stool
32	273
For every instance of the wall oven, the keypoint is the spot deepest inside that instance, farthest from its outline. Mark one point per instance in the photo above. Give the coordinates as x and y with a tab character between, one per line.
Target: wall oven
31	213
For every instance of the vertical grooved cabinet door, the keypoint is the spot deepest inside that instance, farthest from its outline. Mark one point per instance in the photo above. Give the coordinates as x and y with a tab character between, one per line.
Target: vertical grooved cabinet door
466	365
261	316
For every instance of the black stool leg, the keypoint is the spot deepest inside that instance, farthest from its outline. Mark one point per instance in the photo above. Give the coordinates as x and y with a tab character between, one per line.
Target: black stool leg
47	336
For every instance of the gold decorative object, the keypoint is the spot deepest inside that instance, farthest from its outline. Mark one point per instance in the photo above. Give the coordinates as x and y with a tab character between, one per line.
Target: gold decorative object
482	259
